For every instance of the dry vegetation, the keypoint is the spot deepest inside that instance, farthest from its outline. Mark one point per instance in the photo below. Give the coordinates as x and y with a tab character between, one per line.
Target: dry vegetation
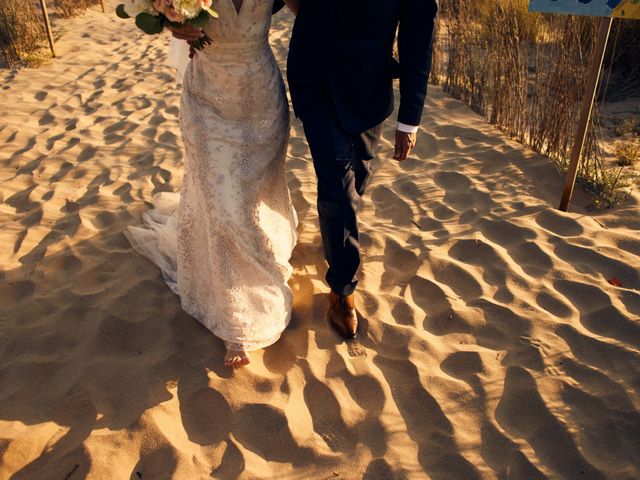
526	73
70	8
628	152
22	32
623	63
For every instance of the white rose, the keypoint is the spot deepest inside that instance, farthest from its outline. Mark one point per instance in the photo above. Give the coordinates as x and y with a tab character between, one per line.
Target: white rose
188	8
135	7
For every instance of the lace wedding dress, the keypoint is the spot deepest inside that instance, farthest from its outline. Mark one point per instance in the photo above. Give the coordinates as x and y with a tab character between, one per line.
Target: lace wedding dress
224	242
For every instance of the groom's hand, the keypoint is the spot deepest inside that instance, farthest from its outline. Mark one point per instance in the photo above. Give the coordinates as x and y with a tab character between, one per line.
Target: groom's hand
404	144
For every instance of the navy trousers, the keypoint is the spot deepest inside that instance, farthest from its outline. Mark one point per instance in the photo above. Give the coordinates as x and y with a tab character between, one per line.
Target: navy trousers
342	161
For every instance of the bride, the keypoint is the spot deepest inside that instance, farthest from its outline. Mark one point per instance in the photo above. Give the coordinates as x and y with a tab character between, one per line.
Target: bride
224	242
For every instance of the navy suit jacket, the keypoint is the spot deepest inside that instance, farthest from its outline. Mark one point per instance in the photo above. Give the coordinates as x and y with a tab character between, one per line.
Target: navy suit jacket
347	47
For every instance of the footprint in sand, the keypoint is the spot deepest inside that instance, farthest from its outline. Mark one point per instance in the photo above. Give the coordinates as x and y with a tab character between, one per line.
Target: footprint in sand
452	181
561	224
536	424
379	469
521	245
326	416
590	261
552	303
598	314
457	278
463	365
391	206
620	362
425	421
439	316
605	433
264	429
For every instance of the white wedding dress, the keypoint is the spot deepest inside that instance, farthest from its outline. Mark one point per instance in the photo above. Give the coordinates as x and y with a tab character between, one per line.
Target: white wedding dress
224	241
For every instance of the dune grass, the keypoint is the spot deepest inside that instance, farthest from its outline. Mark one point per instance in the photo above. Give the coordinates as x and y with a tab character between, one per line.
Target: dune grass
526	74
21	30
71	8
22	33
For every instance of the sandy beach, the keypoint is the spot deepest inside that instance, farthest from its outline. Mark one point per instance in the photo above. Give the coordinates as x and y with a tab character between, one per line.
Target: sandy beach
500	340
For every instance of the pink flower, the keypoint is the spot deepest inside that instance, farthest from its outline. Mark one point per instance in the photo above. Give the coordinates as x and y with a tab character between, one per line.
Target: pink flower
161	5
166	8
175	16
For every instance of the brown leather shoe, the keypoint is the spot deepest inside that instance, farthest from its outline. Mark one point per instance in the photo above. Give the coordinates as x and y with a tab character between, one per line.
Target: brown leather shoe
342	315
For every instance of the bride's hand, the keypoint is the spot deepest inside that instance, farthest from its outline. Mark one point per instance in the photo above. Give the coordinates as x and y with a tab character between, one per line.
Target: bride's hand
187	32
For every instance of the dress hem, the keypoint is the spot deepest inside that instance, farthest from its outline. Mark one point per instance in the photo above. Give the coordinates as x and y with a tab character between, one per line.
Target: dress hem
245	347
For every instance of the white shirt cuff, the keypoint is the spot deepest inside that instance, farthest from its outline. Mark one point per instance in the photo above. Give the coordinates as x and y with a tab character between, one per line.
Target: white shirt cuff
403	127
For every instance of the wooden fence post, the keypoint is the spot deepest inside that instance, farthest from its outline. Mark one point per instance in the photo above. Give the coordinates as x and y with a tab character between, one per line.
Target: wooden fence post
593	75
47	26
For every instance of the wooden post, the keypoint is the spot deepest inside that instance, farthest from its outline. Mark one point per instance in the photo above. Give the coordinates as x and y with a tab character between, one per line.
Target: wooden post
593	75
47	26
102	5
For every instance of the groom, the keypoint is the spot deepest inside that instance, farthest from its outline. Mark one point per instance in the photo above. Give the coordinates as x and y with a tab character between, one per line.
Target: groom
340	71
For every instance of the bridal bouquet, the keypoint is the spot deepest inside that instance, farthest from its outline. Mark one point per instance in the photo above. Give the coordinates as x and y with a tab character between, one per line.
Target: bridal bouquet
152	16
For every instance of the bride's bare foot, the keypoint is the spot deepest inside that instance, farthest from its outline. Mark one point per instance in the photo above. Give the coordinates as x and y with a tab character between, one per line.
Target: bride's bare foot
236	357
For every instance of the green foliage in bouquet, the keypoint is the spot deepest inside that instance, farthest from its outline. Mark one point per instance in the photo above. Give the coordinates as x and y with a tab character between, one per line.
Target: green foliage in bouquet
149	24
121	13
201	20
154	24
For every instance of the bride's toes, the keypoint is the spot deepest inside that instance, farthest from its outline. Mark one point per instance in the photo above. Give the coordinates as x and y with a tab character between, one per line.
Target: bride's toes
236	359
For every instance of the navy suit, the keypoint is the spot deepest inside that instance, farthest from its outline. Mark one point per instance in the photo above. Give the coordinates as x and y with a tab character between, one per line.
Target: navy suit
340	72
